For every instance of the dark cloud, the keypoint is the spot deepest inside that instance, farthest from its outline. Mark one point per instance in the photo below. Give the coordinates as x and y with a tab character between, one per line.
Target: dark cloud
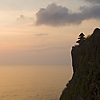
91	12
93	1
55	15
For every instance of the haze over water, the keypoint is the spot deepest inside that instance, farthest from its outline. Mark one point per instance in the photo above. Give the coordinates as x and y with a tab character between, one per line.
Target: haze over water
33	82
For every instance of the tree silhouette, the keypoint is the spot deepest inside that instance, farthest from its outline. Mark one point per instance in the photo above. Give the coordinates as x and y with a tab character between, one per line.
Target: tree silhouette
81	38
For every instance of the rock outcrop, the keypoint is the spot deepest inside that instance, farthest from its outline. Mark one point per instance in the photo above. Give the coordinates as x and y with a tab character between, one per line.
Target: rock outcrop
85	83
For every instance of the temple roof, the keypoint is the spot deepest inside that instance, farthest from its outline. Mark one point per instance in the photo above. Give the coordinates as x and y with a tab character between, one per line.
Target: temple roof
81	35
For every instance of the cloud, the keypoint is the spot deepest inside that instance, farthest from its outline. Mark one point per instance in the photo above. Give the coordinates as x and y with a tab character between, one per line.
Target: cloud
22	19
54	15
91	12
41	34
93	1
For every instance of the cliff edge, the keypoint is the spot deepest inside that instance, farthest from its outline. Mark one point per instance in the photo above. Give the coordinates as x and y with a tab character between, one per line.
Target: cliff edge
85	83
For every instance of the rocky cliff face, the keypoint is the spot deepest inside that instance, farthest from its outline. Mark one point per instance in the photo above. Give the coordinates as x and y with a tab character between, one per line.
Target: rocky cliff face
85	83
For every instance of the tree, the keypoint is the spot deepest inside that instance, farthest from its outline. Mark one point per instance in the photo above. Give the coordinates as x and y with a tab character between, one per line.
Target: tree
81	38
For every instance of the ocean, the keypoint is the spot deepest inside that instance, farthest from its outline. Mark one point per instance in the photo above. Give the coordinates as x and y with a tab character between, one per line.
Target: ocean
33	82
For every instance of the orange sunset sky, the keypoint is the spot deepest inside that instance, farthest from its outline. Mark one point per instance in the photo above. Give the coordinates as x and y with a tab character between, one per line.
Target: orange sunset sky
42	32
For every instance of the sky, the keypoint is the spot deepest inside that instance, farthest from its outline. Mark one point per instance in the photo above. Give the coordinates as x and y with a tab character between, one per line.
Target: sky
42	32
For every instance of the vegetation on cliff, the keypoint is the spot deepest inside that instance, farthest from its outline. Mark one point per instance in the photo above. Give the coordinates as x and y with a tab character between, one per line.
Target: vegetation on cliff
85	83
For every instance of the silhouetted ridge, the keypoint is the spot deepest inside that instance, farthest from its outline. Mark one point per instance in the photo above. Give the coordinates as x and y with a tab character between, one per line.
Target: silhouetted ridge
85	83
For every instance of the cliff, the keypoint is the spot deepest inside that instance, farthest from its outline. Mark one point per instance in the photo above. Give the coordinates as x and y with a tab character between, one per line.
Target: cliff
85	83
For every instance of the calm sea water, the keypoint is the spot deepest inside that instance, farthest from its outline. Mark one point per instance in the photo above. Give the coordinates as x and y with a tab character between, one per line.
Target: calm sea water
33	82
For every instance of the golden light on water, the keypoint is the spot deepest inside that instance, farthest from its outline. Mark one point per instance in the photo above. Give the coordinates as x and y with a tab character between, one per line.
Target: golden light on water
33	82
